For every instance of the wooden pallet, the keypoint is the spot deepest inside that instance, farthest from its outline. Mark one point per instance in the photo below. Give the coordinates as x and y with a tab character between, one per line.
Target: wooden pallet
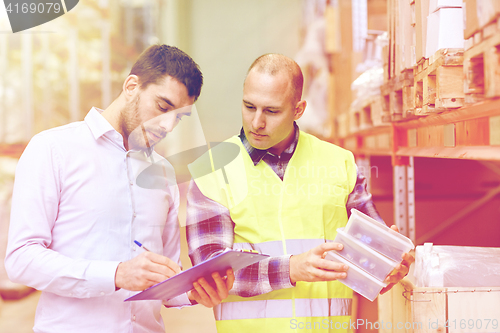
482	64
354	121
398	96
375	109
342	125
438	82
369	114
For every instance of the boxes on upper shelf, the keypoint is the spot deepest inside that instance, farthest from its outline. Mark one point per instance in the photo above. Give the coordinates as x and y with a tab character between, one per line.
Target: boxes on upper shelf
444	30
470	18
487	11
421	13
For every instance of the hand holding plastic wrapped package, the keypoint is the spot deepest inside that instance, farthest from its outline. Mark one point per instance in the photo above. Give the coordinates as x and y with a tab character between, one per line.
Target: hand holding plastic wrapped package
457	266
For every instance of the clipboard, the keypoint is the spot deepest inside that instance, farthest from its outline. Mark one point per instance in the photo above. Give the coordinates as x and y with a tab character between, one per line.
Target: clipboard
183	282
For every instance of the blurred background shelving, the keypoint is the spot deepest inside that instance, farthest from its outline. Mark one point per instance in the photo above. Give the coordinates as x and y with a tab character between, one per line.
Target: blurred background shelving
424	119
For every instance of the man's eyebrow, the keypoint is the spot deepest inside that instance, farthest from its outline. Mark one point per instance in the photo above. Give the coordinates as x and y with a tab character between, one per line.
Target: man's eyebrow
277	108
166	100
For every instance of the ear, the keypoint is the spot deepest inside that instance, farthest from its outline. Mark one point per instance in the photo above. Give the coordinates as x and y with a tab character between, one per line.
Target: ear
130	86
300	107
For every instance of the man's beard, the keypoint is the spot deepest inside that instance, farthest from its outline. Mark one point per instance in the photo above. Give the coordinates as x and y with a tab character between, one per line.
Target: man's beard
132	128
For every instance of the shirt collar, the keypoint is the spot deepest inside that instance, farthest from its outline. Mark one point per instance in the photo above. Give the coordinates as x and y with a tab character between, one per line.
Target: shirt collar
97	124
99	127
258	154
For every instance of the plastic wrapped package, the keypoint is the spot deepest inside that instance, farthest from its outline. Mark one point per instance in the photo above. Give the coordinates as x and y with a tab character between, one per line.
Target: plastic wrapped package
457	266
368	83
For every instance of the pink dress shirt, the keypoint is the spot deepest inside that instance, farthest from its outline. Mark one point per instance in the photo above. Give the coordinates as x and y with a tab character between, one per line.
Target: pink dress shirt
76	210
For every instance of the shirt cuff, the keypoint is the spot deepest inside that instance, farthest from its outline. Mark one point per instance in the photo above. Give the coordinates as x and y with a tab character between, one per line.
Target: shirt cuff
178	302
279	272
101	277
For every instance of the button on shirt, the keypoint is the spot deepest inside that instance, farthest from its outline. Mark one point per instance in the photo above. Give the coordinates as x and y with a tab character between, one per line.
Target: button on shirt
76	210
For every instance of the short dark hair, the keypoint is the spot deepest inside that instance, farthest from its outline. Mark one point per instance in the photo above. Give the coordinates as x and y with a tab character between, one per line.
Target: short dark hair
160	60
273	63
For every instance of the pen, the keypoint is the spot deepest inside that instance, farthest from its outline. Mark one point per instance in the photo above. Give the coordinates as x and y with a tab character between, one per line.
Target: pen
140	245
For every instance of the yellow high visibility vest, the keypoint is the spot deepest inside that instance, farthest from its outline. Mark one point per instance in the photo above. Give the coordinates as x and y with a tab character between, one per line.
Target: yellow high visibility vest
277	218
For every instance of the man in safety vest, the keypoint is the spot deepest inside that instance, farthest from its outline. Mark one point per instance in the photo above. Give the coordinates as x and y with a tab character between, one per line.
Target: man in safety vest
283	193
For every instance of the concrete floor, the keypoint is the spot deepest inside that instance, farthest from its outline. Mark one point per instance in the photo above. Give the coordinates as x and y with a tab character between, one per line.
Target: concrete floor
18	317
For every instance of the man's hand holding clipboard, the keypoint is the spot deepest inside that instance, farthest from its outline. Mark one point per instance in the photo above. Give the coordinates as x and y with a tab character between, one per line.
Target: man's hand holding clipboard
204	292
215	268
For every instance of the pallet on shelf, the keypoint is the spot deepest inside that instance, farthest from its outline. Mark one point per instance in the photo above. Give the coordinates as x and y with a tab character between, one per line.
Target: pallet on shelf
438	82
482	63
375	109
354	121
370	113
398	96
342	125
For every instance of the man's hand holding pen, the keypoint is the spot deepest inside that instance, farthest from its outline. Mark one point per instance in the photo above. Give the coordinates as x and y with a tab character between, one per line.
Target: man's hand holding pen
149	268
144	271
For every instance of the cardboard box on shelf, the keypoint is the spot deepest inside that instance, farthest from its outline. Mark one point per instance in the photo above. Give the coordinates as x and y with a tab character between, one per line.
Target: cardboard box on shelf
471	22
435	5
405	38
444	30
421	13
487	11
477	14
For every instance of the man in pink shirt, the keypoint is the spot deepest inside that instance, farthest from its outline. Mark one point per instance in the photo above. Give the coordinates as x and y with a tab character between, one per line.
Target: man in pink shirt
77	209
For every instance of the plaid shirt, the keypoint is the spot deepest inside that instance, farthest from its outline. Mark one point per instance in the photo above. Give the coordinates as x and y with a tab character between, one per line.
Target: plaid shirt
210	228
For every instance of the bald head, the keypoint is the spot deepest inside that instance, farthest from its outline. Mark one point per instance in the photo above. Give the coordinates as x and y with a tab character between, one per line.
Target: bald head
275	64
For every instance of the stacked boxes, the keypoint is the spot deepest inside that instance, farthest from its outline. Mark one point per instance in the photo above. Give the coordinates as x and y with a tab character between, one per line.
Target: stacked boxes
438	73
444	30
400	58
371	250
478	14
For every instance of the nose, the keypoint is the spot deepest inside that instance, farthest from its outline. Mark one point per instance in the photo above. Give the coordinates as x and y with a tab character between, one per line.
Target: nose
163	124
168	121
259	120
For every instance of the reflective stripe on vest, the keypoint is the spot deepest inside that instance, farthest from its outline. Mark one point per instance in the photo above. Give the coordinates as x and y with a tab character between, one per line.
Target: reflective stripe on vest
283	308
275	248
